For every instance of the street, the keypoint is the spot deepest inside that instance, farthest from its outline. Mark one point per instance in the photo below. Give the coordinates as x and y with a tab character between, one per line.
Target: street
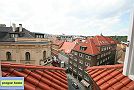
72	79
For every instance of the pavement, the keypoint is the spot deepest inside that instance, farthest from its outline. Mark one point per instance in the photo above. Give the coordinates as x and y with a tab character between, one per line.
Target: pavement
72	79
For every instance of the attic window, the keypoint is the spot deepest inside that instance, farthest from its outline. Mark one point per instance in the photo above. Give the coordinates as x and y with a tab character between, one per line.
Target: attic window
83	48
13	35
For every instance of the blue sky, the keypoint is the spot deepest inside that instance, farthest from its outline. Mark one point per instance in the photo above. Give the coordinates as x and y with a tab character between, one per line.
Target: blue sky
75	17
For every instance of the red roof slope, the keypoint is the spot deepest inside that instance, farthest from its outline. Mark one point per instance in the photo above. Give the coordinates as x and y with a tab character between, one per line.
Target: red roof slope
100	40
91	47
37	77
111	41
58	42
67	46
110	77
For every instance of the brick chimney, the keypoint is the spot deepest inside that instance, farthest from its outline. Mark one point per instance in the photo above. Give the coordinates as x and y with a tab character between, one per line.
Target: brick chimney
20	27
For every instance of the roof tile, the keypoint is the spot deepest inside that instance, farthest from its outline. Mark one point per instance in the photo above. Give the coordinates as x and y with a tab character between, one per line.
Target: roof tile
37	77
110	77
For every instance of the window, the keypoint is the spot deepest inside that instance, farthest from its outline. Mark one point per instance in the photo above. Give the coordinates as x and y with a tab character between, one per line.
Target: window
97	63
106	59
74	70
107	48
102	49
100	61
27	56
75	64
101	55
44	55
75	53
8	55
103	60
15	35
87	64
80	55
98	57
83	48
80	67
75	59
80	74
81	61
86	77
104	54
88	57
70	61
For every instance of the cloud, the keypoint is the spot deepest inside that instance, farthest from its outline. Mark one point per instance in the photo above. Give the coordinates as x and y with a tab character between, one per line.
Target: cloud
86	17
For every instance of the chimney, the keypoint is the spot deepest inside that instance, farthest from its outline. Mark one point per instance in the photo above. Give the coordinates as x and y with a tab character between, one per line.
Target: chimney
14	27
20	27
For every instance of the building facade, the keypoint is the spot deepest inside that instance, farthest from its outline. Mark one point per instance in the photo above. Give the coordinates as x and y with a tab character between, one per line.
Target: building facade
95	51
22	46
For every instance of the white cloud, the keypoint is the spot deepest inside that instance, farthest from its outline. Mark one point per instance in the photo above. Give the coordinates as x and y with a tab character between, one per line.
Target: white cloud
86	17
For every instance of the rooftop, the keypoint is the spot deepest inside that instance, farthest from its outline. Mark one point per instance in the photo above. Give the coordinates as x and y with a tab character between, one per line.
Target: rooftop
37	77
91	47
67	46
110	77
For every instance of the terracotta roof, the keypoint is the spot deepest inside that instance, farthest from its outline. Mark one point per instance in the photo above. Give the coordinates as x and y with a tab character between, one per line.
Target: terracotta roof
67	46
100	40
54	52
78	40
37	77
91	47
111	41
110	77
58	42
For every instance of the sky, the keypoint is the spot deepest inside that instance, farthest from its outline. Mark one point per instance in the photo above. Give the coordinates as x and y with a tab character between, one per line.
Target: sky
69	17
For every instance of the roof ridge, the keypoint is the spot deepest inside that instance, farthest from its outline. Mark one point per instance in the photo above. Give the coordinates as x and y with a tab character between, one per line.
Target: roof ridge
29	66
106	66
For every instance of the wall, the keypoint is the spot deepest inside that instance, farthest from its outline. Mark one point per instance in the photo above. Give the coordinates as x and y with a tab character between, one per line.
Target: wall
18	52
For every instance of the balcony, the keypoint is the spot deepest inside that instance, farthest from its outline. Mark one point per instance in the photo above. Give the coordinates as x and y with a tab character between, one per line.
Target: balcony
27	62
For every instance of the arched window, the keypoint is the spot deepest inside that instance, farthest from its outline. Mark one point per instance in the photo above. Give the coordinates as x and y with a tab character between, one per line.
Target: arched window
27	56
44	55
8	55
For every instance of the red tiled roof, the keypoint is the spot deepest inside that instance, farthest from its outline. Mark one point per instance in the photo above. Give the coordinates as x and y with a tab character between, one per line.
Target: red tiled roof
111	41
110	77
37	77
91	47
100	40
78	40
58	42
54	52
67	46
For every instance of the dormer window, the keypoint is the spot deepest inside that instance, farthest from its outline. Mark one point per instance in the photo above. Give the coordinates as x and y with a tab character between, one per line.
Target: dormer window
13	35
83	48
39	36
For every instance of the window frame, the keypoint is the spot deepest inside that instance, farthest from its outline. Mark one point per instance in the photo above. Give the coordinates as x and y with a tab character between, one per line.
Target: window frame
128	68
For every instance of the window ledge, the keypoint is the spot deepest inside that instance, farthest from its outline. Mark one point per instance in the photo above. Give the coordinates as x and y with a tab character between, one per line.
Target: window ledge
131	77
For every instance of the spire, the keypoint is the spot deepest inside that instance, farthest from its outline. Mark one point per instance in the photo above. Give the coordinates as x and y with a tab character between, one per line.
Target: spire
101	34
